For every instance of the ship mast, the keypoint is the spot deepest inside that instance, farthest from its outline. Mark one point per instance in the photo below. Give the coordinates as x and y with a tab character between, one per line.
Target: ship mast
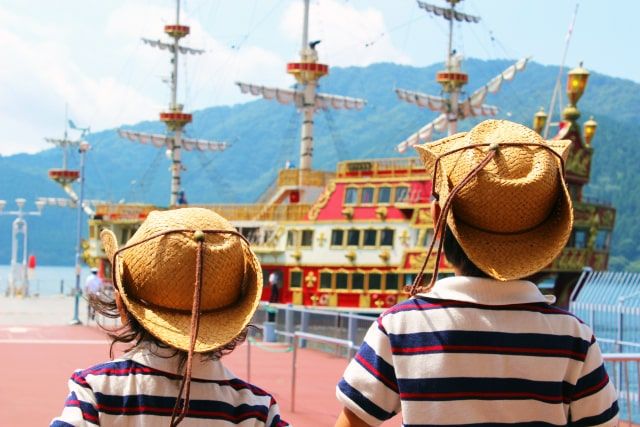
174	119
307	72
453	79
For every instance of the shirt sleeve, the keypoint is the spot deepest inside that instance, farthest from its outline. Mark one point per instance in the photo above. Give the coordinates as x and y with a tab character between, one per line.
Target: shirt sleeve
594	401
80	406
273	419
368	386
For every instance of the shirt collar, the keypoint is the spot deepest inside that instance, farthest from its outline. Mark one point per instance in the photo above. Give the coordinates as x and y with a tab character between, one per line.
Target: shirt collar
487	291
160	358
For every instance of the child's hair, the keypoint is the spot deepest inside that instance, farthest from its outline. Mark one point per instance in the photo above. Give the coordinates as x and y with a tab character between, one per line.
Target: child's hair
133	333
456	256
459	259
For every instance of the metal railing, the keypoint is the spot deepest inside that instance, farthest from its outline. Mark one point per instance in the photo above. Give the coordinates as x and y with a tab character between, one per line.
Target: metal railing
624	369
310	337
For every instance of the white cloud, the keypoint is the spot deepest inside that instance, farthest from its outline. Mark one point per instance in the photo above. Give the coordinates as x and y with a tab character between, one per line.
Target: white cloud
206	79
349	36
41	78
124	85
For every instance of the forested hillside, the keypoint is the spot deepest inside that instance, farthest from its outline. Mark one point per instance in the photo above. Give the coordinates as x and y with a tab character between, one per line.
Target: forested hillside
265	134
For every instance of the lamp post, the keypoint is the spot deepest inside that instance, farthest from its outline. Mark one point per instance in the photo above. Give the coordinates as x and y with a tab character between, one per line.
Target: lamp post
576	83
540	120
589	127
82	149
18	279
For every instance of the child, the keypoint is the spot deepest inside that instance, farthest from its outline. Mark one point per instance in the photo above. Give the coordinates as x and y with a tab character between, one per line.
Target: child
485	347
186	287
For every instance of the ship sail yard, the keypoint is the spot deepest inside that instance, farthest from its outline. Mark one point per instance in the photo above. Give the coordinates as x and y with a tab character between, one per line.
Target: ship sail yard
175	119
351	239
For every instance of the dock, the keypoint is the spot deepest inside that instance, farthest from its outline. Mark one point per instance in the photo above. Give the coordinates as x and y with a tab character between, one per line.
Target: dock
41	350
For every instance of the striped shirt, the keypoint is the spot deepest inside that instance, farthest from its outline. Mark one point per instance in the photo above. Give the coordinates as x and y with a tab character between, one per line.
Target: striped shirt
140	389
479	352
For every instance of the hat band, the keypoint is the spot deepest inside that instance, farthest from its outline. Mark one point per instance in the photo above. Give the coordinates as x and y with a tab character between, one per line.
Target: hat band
512	233
417	285
493	147
152	306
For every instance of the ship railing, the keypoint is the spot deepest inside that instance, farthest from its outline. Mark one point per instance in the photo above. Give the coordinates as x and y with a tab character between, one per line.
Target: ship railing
624	368
596	201
268	194
382	168
262	212
297	177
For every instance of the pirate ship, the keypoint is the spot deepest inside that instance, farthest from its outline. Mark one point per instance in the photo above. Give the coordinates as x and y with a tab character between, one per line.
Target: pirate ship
352	238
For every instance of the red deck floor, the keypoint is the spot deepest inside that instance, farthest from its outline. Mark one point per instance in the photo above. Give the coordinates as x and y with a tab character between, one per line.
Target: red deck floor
38	360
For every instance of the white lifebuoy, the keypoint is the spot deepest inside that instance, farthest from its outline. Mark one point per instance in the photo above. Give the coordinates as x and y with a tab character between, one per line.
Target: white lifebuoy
390	300
324	299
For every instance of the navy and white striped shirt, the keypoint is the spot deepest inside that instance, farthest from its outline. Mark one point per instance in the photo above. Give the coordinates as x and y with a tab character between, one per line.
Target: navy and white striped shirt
140	389
479	352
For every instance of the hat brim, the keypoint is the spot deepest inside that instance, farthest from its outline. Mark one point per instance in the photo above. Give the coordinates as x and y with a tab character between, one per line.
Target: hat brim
517	255
217	328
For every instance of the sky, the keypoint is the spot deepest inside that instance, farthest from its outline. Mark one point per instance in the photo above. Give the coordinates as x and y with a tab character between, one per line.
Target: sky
84	59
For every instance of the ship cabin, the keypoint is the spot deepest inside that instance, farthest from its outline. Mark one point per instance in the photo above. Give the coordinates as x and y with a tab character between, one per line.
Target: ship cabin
354	238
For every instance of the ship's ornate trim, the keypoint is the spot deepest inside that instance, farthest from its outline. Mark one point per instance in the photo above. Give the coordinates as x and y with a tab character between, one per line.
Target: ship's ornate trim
322	201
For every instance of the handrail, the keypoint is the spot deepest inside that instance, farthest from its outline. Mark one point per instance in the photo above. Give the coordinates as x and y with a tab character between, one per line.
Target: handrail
310	337
623	382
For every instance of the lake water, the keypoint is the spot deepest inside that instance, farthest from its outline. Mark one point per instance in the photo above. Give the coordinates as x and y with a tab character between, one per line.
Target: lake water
48	280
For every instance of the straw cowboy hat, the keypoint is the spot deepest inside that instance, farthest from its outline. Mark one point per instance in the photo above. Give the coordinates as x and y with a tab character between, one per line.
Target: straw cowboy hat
158	280
511	211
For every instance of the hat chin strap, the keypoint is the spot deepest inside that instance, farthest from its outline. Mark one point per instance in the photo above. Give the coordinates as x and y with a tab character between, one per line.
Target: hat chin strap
417	286
185	385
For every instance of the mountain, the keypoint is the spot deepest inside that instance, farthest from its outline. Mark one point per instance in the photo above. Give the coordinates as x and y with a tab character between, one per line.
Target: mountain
264	135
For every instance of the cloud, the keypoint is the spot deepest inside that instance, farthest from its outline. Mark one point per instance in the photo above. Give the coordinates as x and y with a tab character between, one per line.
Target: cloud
349	36
41	78
205	80
109	77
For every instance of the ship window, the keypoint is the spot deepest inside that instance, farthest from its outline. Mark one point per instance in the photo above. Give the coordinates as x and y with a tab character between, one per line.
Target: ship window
367	196
602	240
392	281
409	278
267	235
342	280
386	237
351	196
370	238
426	237
580	241
295	282
375	281
292	237
307	238
337	237
384	194
353	237
402	193
251	234
357	281
574	191
325	280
